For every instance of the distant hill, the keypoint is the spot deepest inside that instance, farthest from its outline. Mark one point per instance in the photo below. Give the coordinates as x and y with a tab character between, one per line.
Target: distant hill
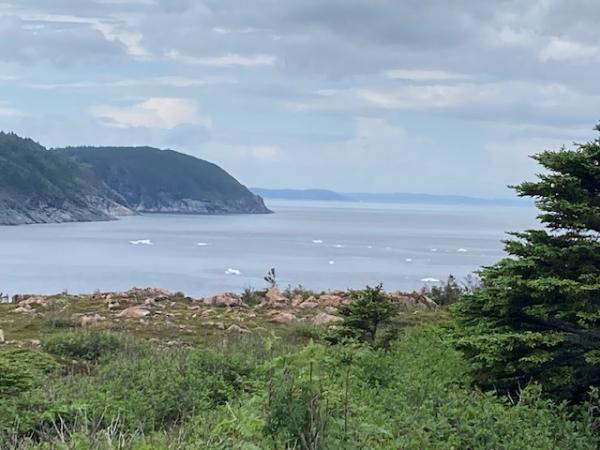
38	186
305	194
399	198
165	181
87	184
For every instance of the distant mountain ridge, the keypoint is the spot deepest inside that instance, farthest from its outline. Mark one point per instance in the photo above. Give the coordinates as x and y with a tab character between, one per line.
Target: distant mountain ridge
88	184
398	198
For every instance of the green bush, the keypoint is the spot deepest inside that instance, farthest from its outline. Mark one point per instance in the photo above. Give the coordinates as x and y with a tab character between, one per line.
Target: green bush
86	345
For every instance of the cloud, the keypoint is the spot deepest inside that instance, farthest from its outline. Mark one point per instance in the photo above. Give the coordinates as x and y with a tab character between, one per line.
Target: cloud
156	112
8	111
225	60
565	50
424	75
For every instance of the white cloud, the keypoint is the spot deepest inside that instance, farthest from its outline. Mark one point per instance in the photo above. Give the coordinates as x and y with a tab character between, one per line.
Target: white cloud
424	75
8	111
155	112
173	81
224	60
564	50
132	40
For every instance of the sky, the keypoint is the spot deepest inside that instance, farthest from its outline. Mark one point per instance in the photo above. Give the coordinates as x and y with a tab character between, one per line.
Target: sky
434	96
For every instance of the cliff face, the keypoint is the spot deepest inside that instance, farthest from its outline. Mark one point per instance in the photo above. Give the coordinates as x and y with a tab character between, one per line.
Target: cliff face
164	181
39	187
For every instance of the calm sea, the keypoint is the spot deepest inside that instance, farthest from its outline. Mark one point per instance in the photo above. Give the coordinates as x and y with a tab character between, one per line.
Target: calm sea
319	245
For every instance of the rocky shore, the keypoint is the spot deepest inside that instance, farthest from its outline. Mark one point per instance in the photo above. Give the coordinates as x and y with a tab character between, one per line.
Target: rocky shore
174	318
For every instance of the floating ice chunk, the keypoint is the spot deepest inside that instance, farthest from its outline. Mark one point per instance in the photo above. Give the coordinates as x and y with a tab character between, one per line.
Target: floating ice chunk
331	263
231	271
462	250
202	244
142	242
430	280
317	241
408	260
433	250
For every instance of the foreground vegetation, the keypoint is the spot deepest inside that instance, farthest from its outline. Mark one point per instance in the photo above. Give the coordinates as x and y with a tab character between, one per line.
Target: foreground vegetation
103	390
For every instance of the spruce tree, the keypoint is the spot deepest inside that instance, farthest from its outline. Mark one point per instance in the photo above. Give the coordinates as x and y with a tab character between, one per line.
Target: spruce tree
537	318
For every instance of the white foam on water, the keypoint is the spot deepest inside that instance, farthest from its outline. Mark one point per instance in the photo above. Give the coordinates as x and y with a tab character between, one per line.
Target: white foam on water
331	263
369	246
430	280
231	271
317	241
142	242
202	244
462	250
433	250
408	260
338	246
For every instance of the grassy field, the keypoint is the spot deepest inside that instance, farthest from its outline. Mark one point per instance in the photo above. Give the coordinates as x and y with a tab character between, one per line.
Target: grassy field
183	378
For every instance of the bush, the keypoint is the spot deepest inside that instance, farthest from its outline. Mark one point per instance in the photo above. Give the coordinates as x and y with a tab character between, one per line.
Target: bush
86	345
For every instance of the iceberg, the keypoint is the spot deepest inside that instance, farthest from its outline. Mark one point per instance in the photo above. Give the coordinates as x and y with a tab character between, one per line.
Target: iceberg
142	242
430	280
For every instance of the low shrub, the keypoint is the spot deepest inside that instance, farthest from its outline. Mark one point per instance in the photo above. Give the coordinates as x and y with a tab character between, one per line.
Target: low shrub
85	345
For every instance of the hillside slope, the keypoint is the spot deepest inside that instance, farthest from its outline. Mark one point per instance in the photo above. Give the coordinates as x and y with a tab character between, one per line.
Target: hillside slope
153	180
38	186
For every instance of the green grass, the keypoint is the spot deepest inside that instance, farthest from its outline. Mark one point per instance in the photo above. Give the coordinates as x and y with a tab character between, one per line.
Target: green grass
276	390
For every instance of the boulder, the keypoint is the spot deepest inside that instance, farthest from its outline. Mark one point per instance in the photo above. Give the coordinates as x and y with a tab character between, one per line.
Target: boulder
2	339
237	329
331	300
308	305
134	312
33	301
412	300
326	319
224	299
90	319
274	299
284	318
297	300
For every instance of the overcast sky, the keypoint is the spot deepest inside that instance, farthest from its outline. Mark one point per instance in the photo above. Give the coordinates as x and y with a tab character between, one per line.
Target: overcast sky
428	96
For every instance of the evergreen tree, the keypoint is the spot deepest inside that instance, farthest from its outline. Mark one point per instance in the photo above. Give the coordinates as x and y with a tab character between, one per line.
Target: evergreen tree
370	309
537	318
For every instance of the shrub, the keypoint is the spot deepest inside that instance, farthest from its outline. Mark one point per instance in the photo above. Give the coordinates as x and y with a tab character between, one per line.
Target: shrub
86	345
370	310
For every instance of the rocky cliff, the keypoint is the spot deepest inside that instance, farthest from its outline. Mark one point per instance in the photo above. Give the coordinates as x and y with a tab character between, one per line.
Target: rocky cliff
165	181
37	186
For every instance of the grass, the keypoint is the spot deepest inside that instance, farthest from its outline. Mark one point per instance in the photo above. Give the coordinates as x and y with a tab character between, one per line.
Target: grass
119	385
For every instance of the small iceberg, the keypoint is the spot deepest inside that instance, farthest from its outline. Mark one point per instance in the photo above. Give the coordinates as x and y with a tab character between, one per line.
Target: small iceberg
142	242
331	263
231	271
462	250
430	280
317	241
202	244
408	260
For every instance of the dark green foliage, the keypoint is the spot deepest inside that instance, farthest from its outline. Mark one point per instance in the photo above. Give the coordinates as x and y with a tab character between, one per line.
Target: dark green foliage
148	177
538	316
370	309
415	395
85	345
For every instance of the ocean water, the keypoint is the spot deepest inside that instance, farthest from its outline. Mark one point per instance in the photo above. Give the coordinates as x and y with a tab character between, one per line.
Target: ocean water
318	245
